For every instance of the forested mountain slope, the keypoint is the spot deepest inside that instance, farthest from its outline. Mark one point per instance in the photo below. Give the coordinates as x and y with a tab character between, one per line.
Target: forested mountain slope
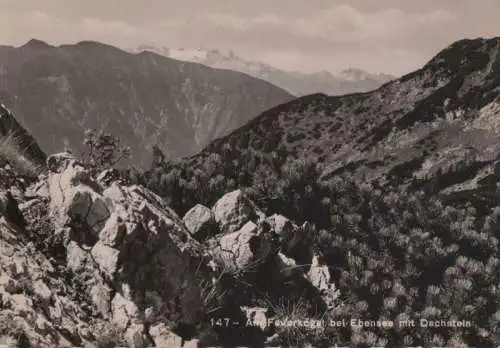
145	99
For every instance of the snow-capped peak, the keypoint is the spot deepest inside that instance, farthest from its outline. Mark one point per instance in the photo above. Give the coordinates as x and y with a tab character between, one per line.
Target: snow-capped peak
350	80
361	75
353	74
190	55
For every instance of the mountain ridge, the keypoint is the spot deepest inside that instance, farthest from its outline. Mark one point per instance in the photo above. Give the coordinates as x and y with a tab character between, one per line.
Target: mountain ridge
402	123
144	99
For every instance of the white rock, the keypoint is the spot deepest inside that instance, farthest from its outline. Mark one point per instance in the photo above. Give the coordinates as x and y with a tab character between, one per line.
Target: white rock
56	313
113	231
42	291
17	193
234	210
41	189
42	324
21	304
282	225
115	193
100	294
8	342
200	221
76	257
155	255
123	311
107	258
288	266
320	277
7	283
135	337
6	249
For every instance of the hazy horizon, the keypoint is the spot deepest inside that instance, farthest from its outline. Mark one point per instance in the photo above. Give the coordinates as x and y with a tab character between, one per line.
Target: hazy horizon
392	36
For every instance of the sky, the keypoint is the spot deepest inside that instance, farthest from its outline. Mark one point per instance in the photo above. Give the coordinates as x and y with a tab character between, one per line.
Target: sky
380	36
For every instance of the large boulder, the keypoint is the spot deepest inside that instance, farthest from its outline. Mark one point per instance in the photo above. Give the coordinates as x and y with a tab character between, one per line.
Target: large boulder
234	210
244	249
200	221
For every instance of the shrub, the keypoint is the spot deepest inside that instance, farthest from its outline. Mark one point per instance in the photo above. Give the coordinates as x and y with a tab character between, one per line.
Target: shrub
294	312
11	153
391	248
212	294
104	150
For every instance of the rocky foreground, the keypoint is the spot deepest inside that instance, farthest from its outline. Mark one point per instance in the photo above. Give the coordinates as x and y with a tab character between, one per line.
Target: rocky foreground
93	262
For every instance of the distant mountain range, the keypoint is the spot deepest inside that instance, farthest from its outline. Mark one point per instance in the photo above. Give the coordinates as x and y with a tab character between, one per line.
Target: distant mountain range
297	83
145	99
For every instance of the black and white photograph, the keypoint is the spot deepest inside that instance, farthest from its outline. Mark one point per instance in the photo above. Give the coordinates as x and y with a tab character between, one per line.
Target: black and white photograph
252	174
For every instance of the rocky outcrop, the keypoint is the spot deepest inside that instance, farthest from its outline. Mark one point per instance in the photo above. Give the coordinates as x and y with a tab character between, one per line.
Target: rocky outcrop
35	306
136	250
98	263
